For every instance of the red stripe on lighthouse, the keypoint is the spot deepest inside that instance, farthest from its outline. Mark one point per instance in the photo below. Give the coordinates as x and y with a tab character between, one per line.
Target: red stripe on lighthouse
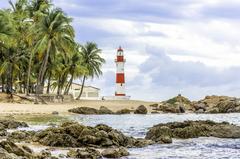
120	59
119	94
120	78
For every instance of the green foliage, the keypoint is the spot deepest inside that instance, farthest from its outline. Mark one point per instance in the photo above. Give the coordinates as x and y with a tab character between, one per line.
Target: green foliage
37	46
179	99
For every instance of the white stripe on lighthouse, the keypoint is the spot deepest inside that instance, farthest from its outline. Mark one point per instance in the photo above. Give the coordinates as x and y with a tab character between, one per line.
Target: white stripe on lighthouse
120	87
120	67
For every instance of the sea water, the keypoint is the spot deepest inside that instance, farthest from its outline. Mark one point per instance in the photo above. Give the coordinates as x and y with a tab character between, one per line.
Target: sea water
198	148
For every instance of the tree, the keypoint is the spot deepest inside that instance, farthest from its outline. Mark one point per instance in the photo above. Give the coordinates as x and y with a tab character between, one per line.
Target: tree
7	42
75	68
55	35
37	45
92	61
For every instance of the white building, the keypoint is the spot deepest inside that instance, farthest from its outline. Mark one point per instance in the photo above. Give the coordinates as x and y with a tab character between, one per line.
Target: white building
89	92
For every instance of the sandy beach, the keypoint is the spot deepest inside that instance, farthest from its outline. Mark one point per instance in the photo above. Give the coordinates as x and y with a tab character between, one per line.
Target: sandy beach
12	108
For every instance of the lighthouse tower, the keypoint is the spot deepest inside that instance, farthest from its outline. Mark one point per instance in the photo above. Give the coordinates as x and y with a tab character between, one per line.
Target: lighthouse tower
120	76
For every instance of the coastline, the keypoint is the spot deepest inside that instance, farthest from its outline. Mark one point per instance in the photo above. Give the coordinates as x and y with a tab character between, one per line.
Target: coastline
62	108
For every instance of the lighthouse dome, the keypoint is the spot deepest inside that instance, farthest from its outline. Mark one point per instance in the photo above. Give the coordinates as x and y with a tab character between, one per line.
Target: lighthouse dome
120	48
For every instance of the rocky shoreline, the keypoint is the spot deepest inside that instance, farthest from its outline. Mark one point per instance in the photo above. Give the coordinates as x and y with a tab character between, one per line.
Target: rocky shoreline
179	104
101	140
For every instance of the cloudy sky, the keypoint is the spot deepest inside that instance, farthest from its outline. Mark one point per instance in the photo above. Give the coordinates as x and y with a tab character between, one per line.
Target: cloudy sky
190	47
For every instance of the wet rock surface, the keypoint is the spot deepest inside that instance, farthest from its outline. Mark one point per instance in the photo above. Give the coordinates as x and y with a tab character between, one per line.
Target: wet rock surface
141	110
11	124
162	133
115	152
104	110
72	134
210	104
91	111
10	147
178	104
218	104
84	110
123	111
88	153
19	136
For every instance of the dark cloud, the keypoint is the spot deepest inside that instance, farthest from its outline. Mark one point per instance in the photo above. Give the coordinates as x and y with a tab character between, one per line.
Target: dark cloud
224	9
166	72
137	10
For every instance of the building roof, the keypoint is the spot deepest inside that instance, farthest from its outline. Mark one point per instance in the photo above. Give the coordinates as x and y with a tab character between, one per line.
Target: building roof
86	86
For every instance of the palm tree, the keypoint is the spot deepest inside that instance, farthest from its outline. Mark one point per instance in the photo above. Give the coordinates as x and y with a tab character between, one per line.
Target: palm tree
92	61
38	9
55	35
37	45
75	68
7	32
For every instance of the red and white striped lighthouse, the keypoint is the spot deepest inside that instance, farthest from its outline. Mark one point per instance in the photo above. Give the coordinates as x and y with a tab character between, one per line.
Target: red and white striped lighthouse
120	76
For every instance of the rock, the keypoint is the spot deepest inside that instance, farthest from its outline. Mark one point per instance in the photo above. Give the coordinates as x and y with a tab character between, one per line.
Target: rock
142	142
200	111
10	147
179	99
72	134
45	154
62	156
84	110
192	129
178	104
237	109
141	110
212	110
55	113
115	152
58	140
18	136
226	106
154	105
155	112
11	124
169	108
88	153
218	104
124	111
5	155
164	140
105	110
3	133
181	109
199	106
26	148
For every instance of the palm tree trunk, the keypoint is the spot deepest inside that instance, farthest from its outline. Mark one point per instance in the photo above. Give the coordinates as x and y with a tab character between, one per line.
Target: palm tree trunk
24	84
9	85
3	83
49	83
28	74
59	86
83	82
68	85
20	83
40	80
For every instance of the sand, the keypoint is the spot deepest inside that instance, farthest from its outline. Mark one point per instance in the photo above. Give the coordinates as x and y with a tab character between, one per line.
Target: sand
10	108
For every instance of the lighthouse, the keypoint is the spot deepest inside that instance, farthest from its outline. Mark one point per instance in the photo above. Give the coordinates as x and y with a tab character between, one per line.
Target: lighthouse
120	76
